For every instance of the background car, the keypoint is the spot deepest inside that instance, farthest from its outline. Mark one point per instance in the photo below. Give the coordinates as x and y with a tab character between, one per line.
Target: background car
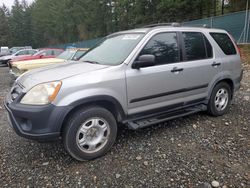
21	53
20	67
4	51
42	54
18	48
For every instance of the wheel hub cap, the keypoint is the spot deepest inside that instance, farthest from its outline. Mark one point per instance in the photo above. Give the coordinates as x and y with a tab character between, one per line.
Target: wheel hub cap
93	135
221	99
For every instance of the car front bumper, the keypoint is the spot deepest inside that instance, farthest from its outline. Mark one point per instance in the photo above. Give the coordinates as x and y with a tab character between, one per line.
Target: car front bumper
36	122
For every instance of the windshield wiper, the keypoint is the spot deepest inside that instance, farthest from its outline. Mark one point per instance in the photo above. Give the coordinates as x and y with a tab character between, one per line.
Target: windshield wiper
92	62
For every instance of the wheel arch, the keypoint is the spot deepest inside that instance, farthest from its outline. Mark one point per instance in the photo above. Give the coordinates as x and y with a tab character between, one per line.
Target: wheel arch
227	80
107	102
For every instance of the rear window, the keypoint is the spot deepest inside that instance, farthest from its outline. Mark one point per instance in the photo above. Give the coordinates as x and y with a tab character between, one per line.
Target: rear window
225	43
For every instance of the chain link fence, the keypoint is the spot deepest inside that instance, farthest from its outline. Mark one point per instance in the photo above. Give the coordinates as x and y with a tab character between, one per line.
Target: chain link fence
237	24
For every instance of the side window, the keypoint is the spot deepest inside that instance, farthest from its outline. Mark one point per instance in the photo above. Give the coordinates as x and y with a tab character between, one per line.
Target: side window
30	52
194	45
49	52
164	47
57	52
225	43
208	48
24	52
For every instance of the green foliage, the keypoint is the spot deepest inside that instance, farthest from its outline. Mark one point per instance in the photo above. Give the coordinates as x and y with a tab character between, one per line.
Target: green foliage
49	22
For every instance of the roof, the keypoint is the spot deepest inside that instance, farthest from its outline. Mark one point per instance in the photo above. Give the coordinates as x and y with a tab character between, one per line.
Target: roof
170	26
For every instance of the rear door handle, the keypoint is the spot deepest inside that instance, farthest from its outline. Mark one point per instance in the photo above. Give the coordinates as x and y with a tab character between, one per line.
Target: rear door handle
216	64
177	70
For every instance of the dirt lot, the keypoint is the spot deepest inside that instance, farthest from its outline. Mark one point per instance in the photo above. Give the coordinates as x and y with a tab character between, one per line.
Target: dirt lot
187	152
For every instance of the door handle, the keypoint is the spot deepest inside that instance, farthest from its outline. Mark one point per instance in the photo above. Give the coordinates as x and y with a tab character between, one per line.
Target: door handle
177	70
216	64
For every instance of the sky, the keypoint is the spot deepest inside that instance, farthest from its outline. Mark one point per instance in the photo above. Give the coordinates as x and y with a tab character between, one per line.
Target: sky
9	3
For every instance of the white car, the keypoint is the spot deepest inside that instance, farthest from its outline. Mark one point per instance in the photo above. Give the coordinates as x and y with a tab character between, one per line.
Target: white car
4	51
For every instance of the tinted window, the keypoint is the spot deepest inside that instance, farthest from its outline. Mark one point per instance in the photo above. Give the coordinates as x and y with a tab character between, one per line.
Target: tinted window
225	43
164	47
208	48
194	46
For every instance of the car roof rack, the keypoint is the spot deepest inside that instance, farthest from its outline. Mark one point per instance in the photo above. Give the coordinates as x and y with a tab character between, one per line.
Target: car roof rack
174	24
197	25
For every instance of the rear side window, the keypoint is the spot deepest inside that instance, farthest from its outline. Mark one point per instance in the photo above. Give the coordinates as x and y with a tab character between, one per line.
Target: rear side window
225	43
196	46
164	47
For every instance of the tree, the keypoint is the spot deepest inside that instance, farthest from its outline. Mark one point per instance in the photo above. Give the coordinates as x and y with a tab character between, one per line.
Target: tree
4	26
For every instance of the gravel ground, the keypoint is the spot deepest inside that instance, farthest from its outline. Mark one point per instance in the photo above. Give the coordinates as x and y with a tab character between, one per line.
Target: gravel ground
188	152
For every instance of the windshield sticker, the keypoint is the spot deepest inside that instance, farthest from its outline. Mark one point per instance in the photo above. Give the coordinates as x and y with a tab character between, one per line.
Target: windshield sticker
130	37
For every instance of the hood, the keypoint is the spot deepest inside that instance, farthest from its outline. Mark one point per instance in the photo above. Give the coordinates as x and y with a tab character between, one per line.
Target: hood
36	63
56	72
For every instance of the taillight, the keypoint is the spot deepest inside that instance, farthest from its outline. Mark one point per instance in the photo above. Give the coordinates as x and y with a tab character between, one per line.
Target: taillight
235	44
238	48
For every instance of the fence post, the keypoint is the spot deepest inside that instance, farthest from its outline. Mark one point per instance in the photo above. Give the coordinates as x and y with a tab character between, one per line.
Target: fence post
247	31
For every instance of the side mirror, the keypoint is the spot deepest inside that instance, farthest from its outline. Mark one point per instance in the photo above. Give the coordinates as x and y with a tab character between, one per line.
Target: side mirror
144	61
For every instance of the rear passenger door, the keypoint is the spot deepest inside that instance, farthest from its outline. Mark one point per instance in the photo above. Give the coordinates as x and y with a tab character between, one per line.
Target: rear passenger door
199	65
230	58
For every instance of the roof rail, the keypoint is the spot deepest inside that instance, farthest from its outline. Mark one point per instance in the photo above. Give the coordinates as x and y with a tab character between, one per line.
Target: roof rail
197	25
174	24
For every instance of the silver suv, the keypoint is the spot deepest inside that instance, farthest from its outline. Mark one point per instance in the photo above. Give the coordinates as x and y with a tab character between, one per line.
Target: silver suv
136	78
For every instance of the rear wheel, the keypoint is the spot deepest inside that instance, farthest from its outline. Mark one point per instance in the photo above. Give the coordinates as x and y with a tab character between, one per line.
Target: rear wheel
220	99
90	133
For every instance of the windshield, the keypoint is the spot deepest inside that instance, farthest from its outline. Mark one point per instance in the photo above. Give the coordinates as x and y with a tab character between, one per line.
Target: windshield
14	50
67	55
113	50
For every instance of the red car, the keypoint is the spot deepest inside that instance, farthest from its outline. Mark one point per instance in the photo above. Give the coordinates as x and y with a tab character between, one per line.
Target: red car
42	54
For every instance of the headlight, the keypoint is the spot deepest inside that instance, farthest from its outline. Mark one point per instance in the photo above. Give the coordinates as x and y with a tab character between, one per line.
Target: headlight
42	94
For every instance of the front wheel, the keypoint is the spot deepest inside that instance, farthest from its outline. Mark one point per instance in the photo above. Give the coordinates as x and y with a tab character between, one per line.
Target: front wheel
90	133
220	99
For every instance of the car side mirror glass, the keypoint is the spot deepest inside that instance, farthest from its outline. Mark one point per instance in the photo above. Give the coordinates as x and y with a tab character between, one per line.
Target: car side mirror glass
146	60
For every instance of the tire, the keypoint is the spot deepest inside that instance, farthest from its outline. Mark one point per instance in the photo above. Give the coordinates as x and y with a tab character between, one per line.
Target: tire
221	92
89	133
